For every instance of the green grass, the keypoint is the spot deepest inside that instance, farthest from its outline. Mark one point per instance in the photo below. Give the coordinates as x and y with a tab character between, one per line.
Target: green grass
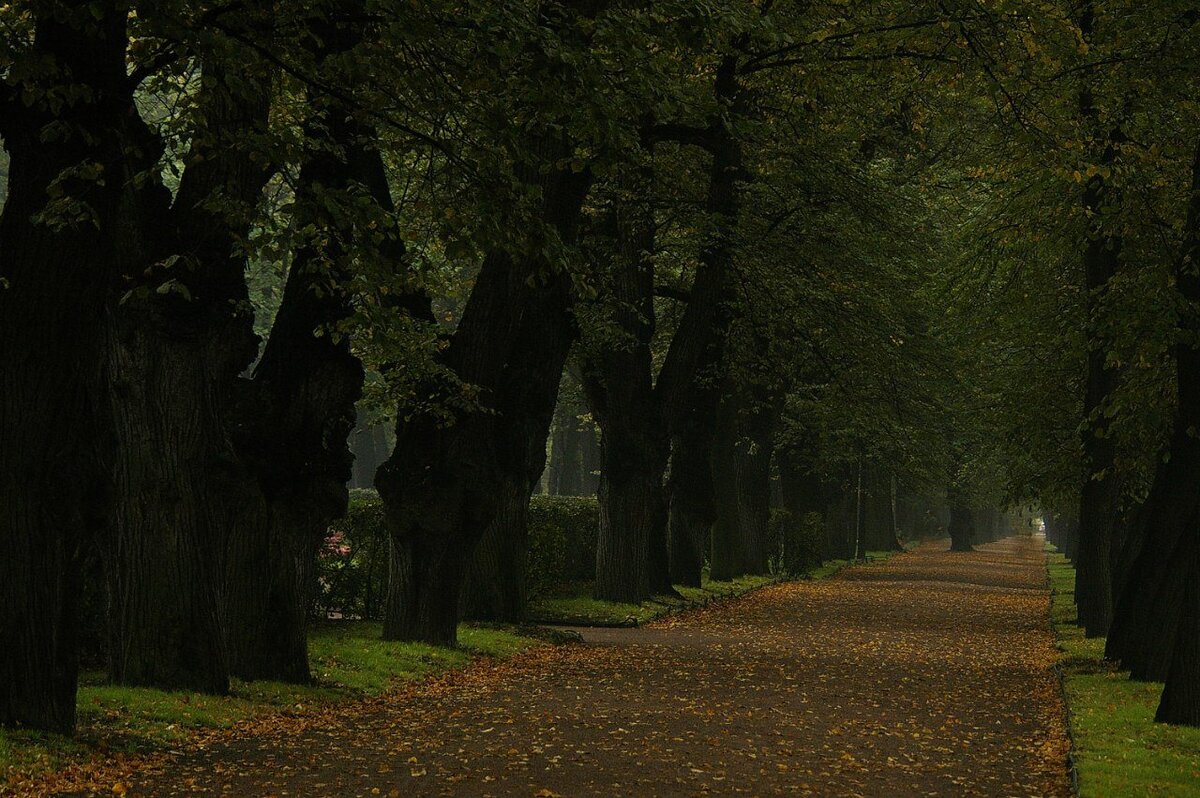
348	661
1119	749
576	605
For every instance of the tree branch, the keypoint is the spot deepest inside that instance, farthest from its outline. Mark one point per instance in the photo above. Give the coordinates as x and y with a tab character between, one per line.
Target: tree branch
668	292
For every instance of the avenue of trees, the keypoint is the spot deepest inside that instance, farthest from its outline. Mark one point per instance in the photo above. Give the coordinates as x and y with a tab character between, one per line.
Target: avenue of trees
933	254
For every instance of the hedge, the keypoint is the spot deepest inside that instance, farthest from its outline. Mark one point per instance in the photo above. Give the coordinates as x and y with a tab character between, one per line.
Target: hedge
352	569
562	541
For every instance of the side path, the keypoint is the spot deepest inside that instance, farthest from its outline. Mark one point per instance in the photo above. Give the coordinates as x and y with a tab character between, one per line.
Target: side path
929	674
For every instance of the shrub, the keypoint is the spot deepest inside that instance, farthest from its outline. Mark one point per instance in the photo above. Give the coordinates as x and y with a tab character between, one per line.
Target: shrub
797	540
562	541
352	565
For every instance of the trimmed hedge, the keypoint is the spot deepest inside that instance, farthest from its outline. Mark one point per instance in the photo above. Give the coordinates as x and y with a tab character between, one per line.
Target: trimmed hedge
798	542
562	541
352	568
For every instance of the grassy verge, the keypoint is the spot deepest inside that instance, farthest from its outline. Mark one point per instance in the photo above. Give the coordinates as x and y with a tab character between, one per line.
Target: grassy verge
1119	750
575	605
348	661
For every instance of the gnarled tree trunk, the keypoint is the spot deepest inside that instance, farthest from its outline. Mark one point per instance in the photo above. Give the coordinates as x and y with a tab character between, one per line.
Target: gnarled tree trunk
55	276
174	358
1159	585
443	486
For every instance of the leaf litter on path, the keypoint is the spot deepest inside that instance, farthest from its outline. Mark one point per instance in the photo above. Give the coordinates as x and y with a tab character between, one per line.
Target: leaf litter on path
927	675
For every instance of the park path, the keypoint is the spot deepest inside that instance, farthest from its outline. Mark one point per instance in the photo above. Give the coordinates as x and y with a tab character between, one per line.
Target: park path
928	674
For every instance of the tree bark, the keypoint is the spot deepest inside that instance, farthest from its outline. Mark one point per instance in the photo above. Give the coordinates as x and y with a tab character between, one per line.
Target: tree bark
567	452
729	549
691	507
56	273
495	586
1147	617
688	382
632	561
295	425
962	522
800	487
839	523
443	485
1099	507
1180	702
174	358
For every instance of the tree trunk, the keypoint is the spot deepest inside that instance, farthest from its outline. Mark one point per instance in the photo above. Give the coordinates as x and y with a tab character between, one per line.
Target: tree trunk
800	490
55	277
962	522
295	424
839	524
692	510
1099	507
632	523
495	586
729	547
369	446
444	484
175	358
567	452
752	463
692	366
1180	703
632	561
173	480
1146	620
879	503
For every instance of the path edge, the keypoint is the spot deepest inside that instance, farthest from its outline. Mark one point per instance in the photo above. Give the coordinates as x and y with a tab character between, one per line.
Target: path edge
1072	763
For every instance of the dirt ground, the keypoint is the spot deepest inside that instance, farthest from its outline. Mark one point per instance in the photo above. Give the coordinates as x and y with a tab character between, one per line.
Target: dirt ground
926	675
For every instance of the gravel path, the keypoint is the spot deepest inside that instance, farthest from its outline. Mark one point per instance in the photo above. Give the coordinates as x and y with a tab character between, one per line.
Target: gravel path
928	674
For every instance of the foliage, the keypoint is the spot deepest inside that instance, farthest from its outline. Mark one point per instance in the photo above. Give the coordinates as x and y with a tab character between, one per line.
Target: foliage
797	540
352	563
562	541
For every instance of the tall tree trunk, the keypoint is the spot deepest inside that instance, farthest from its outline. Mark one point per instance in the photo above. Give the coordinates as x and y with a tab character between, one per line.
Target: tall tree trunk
632	521
495	585
752	463
567	450
369	446
691	371
1147	617
962	522
1099	507
294	427
1180	703
728	543
632	562
803	499
443	485
691	507
839	523
55	277
175	357
879	503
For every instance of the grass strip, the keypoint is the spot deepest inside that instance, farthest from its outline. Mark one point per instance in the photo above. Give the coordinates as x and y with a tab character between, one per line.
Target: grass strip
576	606
349	661
1120	751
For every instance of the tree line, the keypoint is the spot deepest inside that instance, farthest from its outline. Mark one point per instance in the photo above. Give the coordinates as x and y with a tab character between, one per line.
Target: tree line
930	253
